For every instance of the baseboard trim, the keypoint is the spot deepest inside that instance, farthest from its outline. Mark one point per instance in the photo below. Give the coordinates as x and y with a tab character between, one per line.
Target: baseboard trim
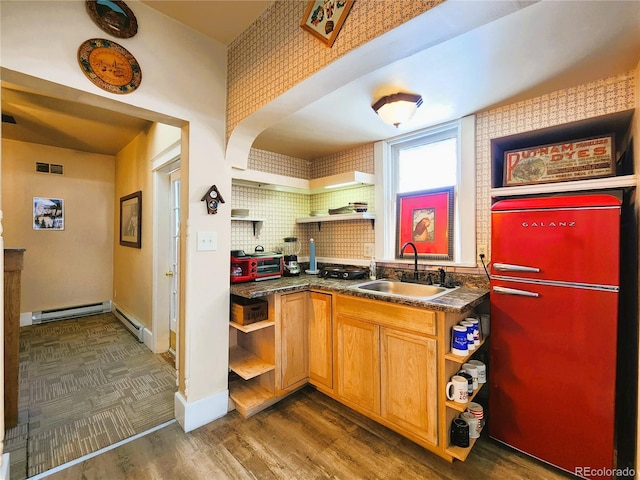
191	415
5	474
26	319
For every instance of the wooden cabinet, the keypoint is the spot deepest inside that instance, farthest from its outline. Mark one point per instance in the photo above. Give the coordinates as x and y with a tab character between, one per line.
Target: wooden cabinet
409	382
387	365
358	362
320	340
271	358
13	264
388	361
293	331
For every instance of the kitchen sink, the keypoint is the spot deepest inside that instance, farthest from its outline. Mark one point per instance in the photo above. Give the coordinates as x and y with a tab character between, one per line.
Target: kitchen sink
396	288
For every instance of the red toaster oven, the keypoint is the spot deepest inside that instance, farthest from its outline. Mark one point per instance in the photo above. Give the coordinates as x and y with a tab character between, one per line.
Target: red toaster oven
255	266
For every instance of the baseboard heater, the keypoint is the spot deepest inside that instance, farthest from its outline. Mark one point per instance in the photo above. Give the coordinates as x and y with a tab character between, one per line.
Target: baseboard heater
131	324
45	316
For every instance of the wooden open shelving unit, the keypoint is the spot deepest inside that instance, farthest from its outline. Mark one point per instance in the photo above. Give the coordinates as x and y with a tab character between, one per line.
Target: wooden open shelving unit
253	360
455	408
246	364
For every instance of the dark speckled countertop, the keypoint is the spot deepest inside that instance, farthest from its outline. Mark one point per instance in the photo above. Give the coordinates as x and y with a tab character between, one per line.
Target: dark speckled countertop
458	301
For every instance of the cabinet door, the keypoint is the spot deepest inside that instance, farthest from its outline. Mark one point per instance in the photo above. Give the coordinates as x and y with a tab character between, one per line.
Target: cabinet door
409	382
294	340
320	340
358	361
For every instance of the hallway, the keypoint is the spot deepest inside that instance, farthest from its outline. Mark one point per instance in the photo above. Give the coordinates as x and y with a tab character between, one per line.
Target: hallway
85	383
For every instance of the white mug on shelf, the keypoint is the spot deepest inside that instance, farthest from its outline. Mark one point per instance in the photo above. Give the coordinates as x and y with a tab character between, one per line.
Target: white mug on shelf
473	422
457	389
472	370
482	370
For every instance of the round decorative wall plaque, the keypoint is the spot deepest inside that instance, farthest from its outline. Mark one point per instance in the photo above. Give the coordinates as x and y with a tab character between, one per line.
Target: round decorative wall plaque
113	17
109	66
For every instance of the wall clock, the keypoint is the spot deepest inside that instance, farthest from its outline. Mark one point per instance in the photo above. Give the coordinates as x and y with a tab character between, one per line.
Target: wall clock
113	17
109	66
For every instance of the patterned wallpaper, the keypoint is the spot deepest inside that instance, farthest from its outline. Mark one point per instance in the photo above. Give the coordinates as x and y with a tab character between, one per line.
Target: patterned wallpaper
275	53
279	211
609	95
358	158
270	162
346	239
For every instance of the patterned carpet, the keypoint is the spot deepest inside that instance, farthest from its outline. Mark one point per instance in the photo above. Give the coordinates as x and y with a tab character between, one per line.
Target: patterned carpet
85	383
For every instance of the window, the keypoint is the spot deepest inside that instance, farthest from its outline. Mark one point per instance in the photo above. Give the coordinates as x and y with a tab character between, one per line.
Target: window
433	158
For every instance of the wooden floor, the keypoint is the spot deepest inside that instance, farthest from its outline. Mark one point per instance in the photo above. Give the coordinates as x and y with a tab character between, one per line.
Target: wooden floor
306	436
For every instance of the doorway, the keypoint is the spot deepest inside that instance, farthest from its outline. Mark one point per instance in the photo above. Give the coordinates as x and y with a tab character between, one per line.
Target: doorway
108	390
166	279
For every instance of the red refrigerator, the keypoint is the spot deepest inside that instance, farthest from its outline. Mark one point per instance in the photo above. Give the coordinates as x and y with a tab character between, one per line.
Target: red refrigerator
554	313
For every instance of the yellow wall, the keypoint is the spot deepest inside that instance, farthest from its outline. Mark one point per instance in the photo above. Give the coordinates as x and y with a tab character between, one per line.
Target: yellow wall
64	267
133	267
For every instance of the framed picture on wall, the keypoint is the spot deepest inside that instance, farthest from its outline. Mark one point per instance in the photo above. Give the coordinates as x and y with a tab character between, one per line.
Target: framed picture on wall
48	213
131	220
323	19
425	218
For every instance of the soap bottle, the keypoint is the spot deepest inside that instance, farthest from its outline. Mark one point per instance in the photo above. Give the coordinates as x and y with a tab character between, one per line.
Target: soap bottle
372	269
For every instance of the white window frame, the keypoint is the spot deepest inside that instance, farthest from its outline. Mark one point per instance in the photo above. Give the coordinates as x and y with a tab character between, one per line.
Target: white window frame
464	245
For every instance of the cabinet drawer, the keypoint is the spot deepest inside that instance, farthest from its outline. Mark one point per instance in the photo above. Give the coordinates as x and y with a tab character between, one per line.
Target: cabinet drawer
388	314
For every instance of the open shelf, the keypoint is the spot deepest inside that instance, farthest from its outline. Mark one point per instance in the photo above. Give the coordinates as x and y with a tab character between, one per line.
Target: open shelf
338	217
252	327
461	407
617	124
461	453
250	397
461	360
255	221
569	186
247	364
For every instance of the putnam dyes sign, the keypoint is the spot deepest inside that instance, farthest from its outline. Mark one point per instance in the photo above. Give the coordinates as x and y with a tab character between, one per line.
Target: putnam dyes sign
558	162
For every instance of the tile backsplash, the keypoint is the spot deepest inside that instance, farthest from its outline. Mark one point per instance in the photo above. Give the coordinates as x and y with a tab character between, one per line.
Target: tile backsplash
279	211
340	239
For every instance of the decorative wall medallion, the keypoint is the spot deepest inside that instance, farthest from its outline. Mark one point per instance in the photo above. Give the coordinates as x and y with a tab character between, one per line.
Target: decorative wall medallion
113	17
110	66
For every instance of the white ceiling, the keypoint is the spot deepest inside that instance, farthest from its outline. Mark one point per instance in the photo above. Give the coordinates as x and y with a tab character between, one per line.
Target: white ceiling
520	49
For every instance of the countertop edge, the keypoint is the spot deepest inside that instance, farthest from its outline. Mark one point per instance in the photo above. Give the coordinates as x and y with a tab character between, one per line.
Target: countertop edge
460	300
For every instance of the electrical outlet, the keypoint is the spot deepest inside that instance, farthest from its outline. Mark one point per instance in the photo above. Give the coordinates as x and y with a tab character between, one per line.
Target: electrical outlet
482	250
369	250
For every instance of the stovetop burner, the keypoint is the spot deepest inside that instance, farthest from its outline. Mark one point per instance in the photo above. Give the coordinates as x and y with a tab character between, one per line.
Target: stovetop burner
343	272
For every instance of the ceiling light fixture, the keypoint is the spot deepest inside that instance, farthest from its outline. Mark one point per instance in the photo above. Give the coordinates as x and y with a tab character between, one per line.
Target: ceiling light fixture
397	108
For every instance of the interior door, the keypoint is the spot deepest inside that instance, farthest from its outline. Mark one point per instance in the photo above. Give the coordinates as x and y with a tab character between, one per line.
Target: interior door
174	258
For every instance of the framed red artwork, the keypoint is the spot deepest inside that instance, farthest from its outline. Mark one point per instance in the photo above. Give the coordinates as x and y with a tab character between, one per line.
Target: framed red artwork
425	218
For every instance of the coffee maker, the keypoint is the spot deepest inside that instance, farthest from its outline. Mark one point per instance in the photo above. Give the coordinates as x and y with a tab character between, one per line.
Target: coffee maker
290	251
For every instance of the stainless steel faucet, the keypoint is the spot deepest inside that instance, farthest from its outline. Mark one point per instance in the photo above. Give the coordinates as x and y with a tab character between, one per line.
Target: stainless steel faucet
415	258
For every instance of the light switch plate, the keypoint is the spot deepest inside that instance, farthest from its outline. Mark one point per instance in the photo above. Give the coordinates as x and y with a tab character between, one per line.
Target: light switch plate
207	241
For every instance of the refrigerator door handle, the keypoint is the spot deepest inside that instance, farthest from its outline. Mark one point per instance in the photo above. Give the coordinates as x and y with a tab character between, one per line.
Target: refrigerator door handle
514	291
508	267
